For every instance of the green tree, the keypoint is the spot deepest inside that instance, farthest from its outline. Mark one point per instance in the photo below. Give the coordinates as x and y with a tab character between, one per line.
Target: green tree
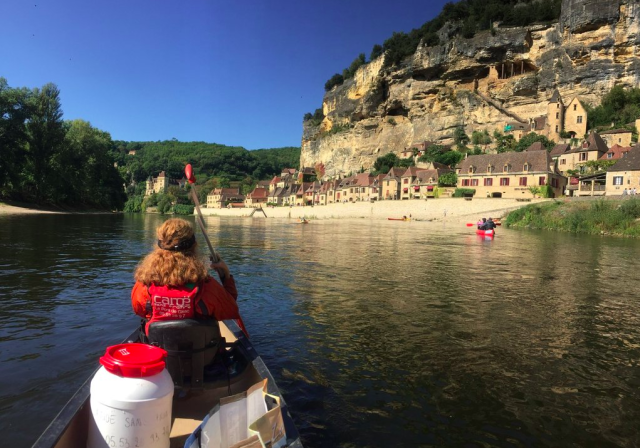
46	133
14	112
376	52
383	164
448	180
460	138
532	138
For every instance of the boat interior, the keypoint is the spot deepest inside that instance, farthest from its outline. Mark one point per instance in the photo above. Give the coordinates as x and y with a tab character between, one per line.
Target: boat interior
199	386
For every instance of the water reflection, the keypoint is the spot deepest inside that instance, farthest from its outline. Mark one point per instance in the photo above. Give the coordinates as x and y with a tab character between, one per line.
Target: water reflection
379	333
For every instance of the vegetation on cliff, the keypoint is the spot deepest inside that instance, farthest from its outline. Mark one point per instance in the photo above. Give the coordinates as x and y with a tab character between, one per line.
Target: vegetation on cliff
46	160
614	217
619	108
463	18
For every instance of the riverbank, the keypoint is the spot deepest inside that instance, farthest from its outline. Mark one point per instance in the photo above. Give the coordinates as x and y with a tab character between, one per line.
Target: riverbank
453	209
16	208
594	217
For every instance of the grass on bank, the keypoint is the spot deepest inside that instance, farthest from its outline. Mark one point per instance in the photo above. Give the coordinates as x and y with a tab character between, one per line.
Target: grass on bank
612	217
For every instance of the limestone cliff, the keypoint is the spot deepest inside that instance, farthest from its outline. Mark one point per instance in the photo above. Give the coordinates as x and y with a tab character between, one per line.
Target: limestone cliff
479	83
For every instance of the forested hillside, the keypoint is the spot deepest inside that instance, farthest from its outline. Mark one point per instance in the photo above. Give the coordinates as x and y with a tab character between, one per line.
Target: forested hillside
208	159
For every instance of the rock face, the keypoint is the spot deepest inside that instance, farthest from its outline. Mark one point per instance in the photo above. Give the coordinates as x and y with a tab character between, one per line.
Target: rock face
478	83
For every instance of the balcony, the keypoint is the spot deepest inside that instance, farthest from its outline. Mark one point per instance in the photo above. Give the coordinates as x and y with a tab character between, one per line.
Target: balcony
597	187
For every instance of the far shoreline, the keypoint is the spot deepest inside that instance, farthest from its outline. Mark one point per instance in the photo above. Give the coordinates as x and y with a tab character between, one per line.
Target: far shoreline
441	210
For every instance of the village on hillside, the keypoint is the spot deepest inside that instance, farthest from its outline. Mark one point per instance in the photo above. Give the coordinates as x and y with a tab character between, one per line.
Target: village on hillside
573	167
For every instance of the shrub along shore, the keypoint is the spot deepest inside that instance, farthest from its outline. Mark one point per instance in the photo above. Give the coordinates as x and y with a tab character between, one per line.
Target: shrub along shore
595	217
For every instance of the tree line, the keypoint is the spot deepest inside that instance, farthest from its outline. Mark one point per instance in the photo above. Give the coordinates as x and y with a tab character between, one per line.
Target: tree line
47	160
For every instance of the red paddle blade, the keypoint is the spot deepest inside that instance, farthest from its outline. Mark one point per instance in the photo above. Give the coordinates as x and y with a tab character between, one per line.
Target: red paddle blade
470	224
188	172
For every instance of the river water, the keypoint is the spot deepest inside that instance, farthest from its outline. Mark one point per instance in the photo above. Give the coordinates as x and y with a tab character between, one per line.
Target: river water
378	333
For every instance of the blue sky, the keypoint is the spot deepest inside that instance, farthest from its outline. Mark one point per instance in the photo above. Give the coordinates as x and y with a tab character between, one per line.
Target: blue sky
236	73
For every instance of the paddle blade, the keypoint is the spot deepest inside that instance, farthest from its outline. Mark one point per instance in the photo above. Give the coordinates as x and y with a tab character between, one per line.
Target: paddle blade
470	224
188	172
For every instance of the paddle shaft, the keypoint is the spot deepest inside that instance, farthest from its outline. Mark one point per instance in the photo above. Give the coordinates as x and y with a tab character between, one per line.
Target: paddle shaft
214	255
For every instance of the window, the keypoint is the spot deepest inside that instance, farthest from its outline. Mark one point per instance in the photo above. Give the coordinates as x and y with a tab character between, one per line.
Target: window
619	140
523	181
387	183
350	190
465	182
617	180
575	107
490	169
542	180
506	168
472	169
406	181
556	128
488	182
557	115
558	106
554	182
474	182
609	155
583	156
579	120
504	181
526	167
563	161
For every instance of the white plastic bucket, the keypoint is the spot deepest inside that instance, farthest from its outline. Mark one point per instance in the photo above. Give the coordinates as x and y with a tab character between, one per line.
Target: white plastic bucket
131	396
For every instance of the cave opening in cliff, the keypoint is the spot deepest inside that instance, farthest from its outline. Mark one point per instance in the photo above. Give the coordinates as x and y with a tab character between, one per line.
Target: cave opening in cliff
509	69
398	111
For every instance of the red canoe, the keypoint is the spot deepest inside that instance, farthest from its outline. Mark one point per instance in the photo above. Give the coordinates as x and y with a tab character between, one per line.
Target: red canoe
489	233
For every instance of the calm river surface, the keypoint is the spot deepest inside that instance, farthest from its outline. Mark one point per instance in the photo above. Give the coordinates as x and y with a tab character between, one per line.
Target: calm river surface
379	333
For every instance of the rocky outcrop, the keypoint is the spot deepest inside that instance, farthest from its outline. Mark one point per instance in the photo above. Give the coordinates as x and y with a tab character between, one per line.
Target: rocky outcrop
479	83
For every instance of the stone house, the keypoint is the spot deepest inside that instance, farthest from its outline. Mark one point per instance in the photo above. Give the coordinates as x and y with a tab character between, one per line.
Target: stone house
391	184
624	174
427	181
621	137
593	148
410	189
277	196
220	197
257	198
510	174
575	119
161	183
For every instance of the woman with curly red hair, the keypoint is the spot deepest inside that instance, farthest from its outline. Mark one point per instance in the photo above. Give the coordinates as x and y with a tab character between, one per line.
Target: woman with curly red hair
173	283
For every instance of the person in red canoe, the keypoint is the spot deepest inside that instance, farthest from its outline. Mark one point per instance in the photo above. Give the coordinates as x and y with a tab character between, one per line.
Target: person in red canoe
173	283
482	225
490	225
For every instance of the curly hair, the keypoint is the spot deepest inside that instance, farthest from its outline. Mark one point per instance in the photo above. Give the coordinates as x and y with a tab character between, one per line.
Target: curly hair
170	267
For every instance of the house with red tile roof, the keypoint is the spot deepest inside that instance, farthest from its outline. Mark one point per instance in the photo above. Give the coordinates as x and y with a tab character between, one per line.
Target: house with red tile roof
257	198
616	152
273	184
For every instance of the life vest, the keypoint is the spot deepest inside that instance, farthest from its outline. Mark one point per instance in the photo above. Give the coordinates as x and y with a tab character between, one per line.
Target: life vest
172	303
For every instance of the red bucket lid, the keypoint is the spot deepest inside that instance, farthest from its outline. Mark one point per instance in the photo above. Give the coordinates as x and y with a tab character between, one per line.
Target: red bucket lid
134	360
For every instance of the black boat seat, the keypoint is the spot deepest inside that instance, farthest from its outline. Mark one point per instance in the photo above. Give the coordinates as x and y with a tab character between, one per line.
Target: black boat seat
190	344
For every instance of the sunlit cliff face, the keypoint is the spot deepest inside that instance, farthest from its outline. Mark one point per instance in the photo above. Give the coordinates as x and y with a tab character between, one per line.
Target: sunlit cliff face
479	83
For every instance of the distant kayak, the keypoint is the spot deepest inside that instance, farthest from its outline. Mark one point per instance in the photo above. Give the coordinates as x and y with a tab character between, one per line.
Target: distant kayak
399	219
303	221
489	233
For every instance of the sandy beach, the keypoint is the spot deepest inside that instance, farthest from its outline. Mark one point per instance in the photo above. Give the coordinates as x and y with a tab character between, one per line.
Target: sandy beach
14	209
455	209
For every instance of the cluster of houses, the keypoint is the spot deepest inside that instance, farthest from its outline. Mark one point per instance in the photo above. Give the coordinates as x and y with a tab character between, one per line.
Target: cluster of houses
294	189
563	170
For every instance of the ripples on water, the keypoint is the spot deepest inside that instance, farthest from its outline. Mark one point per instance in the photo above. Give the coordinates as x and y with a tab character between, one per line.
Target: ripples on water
378	333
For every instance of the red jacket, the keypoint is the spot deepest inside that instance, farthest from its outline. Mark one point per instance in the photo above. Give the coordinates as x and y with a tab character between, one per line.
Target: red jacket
220	300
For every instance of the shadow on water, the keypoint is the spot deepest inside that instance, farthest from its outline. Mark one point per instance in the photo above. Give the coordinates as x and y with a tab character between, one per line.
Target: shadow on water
378	333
